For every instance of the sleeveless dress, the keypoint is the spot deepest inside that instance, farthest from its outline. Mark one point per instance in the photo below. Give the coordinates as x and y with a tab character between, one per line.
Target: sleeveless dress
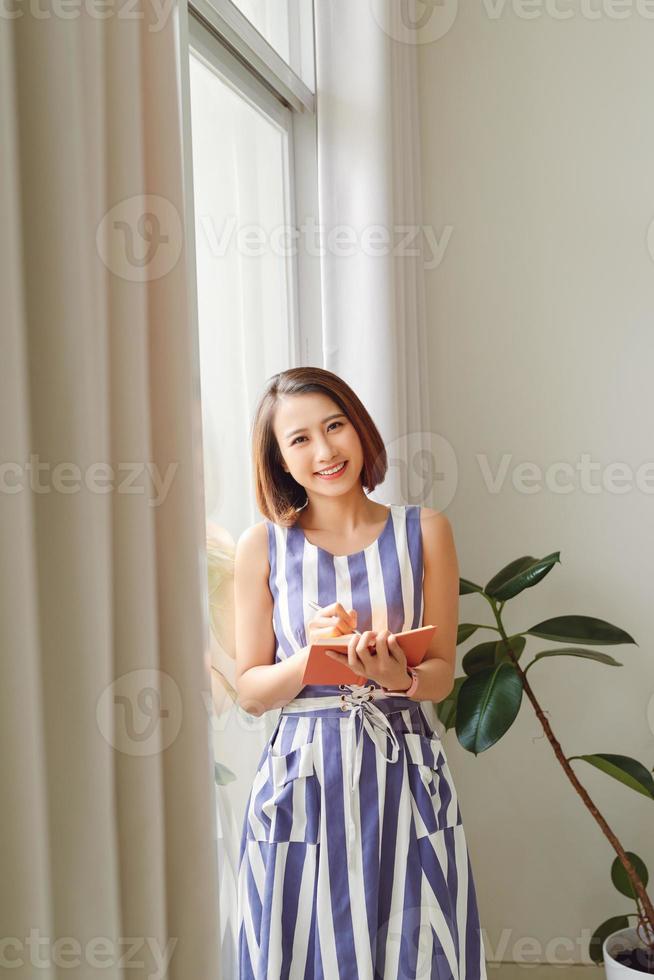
353	863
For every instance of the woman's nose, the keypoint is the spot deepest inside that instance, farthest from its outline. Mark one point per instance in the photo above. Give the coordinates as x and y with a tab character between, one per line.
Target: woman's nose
326	454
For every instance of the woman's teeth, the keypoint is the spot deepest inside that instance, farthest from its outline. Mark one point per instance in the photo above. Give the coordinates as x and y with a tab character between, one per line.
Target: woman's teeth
334	471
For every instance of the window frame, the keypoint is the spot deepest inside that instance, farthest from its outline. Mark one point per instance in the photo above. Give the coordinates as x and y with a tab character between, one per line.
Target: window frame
236	32
210	27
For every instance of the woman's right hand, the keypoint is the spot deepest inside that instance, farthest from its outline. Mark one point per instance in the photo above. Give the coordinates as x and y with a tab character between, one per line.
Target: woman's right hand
332	620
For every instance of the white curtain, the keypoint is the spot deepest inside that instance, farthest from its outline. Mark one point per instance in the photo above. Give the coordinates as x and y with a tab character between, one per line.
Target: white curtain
374	326
107	829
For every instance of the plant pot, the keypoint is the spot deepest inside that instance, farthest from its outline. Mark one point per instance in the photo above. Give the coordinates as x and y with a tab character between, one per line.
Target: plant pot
620	941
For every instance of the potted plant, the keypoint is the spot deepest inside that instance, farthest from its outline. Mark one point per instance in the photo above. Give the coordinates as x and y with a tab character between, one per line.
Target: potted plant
623	950
485	702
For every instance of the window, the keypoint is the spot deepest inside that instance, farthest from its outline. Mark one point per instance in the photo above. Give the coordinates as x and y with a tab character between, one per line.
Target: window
245	283
252	124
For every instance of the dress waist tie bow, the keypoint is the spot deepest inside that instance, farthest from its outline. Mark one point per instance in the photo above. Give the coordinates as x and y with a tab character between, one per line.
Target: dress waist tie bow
376	724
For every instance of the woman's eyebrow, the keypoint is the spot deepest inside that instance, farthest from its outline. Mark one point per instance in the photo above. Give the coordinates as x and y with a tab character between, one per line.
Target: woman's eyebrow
336	415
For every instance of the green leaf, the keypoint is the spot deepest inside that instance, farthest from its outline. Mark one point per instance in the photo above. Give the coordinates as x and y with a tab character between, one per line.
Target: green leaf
488	704
580	629
621	767
621	879
516	643
464	632
603	932
602	658
479	658
222	774
466	587
491	653
446	709
518	575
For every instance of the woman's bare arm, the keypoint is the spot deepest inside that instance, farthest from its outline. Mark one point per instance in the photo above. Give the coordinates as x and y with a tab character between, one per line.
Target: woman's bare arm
441	606
261	684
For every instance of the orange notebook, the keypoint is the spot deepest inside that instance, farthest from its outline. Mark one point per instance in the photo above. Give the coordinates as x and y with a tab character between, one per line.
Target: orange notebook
321	669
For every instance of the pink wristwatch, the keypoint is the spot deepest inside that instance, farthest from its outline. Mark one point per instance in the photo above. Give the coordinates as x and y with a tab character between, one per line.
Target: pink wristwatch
410	691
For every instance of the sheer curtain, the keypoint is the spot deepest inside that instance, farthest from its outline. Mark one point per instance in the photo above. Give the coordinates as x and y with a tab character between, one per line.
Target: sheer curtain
244	306
374	322
108	824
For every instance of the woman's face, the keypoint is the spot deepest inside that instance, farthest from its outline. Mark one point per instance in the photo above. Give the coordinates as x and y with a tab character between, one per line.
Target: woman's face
314	435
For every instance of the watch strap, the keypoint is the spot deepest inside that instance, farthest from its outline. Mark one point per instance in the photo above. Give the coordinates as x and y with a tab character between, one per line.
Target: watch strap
411	689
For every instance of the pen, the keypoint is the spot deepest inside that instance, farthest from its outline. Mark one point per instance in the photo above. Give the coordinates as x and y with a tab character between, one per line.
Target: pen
314	605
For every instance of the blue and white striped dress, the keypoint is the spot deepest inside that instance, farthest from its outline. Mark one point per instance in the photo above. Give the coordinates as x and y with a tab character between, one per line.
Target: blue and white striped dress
353	863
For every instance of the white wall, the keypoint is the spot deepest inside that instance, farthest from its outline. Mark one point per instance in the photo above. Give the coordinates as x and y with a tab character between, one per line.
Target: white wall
538	150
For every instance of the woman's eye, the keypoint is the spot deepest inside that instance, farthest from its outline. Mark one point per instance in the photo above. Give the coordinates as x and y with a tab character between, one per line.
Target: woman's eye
297	438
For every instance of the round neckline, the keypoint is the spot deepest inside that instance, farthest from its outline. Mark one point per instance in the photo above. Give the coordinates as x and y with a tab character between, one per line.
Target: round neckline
352	554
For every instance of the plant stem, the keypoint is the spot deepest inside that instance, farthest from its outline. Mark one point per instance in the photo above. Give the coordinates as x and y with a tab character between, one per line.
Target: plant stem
647	916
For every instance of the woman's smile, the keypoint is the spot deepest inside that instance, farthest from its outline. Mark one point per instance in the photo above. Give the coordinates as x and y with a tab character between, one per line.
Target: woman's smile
332	473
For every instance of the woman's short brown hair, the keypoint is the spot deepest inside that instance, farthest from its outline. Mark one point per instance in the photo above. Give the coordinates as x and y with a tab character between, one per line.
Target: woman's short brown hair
278	495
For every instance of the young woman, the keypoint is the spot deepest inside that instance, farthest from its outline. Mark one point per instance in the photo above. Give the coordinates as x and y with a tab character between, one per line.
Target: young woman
353	862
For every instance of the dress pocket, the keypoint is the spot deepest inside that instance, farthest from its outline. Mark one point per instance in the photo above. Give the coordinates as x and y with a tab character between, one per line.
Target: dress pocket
285	798
433	794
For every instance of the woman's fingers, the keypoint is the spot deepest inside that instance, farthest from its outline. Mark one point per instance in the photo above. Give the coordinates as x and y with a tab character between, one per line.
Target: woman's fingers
363	643
370	654
395	651
389	649
336	626
382	647
327	633
353	661
331	620
346	618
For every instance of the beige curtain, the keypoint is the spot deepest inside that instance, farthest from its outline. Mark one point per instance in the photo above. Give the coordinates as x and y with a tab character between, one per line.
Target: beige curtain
107	828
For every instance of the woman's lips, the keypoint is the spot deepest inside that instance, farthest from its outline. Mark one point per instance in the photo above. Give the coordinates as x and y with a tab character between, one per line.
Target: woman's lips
334	476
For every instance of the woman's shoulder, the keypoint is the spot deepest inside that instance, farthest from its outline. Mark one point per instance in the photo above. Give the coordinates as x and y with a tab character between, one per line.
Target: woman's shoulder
252	545
255	531
257	538
433	523
429	514
430	519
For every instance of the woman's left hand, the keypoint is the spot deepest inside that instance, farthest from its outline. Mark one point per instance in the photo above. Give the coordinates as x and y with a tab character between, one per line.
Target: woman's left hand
383	662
